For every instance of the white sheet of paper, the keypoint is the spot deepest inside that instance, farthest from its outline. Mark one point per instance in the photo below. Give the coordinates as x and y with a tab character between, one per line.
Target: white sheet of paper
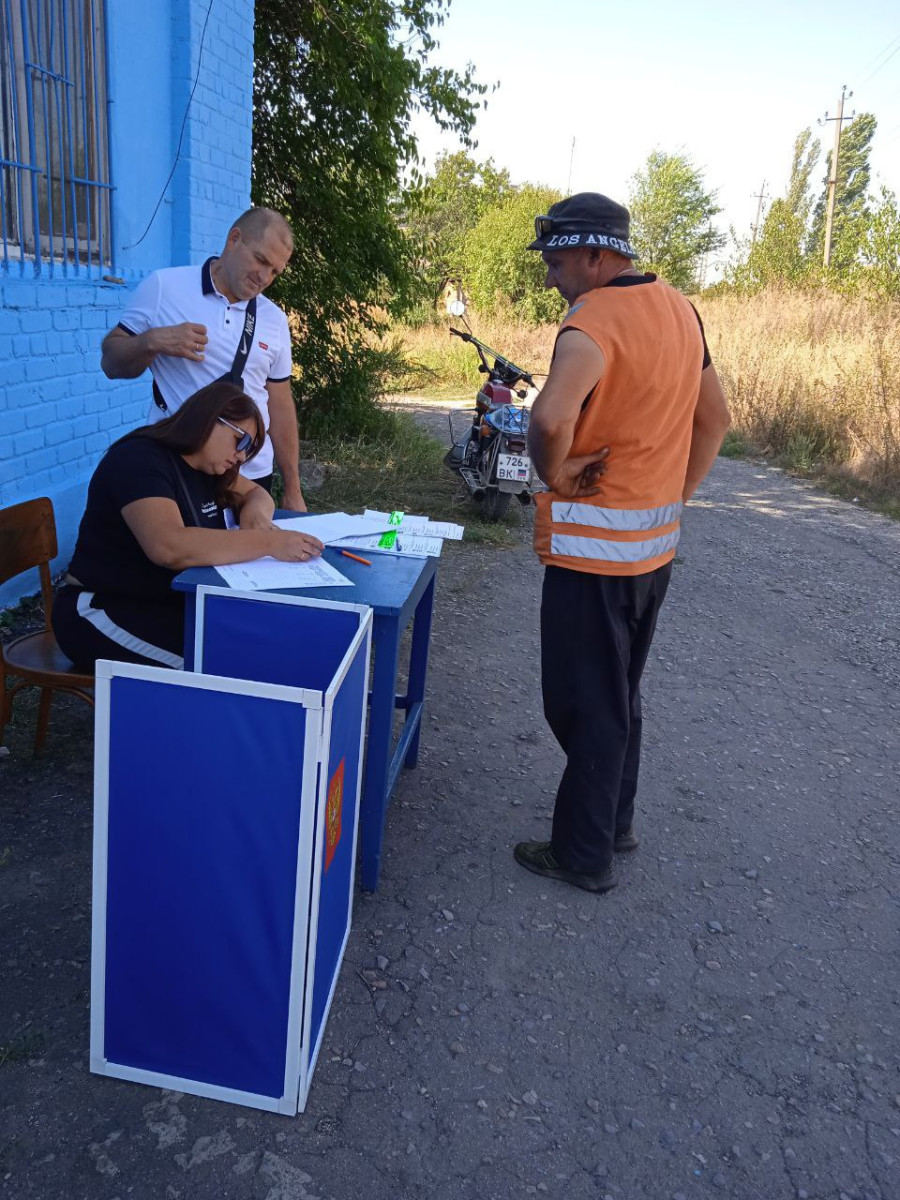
421	525
406	543
365	543
432	529
331	527
268	574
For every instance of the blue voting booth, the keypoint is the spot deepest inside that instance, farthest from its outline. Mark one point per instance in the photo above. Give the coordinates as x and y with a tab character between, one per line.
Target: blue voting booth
226	809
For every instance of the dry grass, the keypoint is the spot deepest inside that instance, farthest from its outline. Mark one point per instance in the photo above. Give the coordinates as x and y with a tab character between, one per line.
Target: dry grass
440	364
813	379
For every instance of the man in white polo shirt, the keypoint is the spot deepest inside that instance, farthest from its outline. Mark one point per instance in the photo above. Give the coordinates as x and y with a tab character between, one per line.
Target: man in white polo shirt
192	325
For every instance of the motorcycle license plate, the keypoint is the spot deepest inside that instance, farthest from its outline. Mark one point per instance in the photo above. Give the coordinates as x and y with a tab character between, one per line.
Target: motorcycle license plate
515	467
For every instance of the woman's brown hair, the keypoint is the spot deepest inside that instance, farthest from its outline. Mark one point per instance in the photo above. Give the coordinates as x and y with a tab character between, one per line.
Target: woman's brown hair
189	428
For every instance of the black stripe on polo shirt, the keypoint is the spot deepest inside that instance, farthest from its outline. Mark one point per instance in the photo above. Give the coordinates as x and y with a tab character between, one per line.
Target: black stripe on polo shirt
206	277
126	329
283	379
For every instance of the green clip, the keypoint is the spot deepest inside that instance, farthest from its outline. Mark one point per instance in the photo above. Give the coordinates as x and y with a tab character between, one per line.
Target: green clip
387	540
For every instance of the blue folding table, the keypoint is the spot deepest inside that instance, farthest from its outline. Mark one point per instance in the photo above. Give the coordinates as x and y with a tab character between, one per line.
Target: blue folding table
398	590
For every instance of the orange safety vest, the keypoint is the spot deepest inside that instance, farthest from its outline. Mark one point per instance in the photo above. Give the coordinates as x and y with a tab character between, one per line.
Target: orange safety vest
643	409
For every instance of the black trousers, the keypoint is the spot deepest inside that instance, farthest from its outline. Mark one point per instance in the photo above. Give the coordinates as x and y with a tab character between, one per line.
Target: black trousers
596	632
91	625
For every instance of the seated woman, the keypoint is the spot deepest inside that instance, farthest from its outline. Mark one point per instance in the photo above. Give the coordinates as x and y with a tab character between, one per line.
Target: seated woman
161	500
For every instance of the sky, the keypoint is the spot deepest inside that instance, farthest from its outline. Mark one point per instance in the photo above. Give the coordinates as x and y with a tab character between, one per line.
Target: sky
729	84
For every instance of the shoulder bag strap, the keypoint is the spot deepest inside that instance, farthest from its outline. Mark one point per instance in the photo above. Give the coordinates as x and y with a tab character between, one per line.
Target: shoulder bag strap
186	495
236	374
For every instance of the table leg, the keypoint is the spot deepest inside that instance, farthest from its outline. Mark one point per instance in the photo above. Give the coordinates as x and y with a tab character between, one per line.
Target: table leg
386	645
418	665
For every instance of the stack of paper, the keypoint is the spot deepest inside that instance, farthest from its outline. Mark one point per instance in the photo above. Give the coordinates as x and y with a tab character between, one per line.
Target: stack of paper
378	532
405	543
407	534
425	528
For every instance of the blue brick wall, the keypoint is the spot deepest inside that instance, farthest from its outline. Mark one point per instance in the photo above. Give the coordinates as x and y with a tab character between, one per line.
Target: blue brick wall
58	412
212	180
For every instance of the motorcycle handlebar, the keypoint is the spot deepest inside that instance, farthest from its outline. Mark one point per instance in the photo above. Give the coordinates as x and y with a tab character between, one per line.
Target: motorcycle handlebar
500	363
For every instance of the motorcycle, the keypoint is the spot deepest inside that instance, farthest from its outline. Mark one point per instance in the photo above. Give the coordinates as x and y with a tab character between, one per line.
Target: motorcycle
492	456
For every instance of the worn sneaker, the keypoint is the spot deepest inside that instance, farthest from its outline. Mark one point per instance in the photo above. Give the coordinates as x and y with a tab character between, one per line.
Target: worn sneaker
539	858
626	839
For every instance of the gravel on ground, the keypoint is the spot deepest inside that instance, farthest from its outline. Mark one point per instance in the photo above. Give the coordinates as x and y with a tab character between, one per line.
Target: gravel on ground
725	1022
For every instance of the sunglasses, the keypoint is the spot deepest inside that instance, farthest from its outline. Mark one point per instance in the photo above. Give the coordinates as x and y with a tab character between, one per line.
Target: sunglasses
543	226
245	440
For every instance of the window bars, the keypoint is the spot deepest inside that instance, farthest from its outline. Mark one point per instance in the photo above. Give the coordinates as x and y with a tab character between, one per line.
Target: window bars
54	147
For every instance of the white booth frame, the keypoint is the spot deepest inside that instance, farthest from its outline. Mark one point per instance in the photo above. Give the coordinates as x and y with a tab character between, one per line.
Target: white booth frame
300	1058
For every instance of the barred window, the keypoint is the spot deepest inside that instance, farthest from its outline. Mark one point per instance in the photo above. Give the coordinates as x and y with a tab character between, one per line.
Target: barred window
54	155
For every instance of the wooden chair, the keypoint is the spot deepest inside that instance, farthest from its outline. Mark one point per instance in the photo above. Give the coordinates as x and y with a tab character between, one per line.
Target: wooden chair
27	540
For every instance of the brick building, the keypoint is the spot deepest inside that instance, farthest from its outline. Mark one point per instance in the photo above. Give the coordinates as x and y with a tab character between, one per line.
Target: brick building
126	141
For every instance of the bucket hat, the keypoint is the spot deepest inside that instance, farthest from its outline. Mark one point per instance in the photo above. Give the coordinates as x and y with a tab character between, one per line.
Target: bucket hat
585	219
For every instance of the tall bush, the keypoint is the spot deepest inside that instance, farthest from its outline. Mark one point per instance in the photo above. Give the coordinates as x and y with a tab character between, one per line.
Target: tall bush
336	85
501	274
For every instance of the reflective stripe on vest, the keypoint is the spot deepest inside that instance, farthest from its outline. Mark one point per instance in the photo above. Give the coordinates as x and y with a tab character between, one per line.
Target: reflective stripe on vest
620	520
623	552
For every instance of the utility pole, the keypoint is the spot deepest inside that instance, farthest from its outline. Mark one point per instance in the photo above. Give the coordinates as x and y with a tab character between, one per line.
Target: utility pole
760	196
571	160
704	262
832	179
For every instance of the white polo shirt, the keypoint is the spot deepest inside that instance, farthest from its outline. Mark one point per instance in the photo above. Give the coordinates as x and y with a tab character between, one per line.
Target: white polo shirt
177	294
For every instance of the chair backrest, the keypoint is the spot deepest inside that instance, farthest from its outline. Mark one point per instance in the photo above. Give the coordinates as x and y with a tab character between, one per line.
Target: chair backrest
28	539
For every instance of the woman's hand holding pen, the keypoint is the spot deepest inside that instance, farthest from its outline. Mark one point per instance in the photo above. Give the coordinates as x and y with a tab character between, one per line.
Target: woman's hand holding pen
290	546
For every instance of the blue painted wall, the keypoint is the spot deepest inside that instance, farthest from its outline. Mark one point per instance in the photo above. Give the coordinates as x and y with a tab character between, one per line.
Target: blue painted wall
58	412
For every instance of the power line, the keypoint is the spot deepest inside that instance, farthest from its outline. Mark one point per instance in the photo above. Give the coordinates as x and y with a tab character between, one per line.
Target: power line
880	52
883	64
181	136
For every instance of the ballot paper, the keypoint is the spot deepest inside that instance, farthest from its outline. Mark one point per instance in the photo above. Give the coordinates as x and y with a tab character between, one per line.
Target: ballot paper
331	527
268	574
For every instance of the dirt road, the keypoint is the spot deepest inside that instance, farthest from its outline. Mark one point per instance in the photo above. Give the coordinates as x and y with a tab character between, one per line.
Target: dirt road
724	1023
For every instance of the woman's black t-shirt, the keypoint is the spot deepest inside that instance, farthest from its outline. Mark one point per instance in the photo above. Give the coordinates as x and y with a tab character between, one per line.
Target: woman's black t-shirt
108	557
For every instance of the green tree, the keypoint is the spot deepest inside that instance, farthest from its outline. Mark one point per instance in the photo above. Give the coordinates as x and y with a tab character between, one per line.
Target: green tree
672	213
851	211
336	85
881	247
778	256
499	270
806	155
447	206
